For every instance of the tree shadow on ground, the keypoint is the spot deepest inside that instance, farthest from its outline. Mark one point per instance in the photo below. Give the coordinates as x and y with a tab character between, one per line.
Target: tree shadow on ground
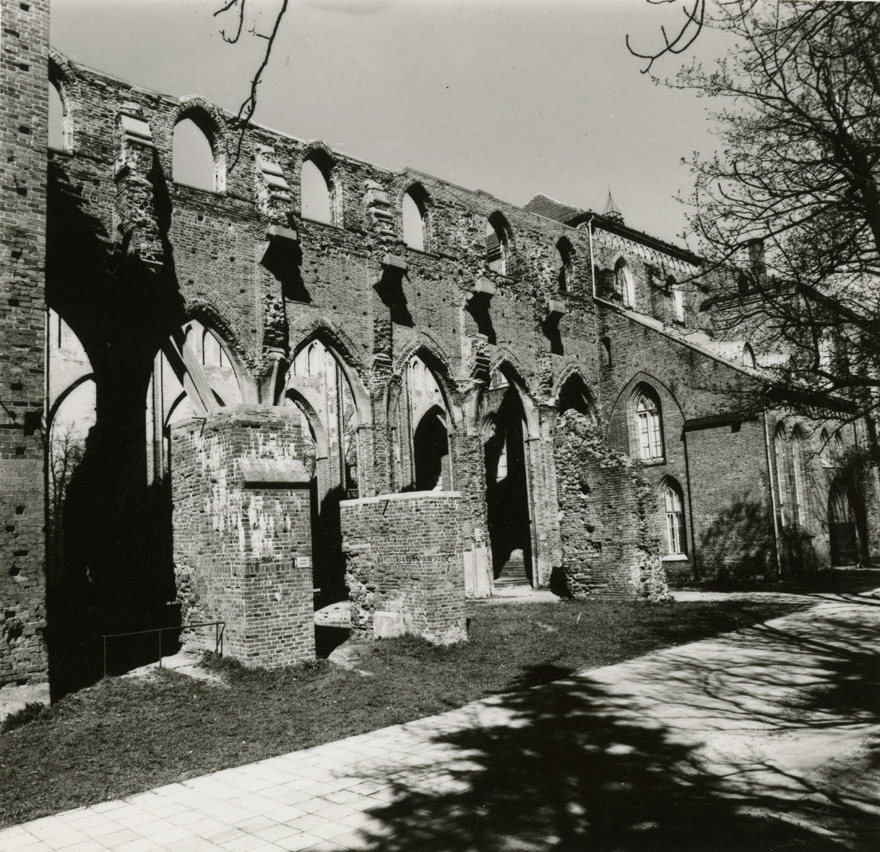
585	764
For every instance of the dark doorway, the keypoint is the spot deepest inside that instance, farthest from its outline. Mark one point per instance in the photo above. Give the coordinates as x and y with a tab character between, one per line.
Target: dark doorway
431	452
507	493
842	527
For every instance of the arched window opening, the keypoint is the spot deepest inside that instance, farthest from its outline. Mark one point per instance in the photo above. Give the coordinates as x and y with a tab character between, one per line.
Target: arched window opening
315	203
673	509
831	449
825	448
431	452
565	266
605	350
322	374
508	498
623	283
797	473
431	468
193	157
783	474
575	395
415	219
57	135
212	351
677	300
842	527
649	427
498	244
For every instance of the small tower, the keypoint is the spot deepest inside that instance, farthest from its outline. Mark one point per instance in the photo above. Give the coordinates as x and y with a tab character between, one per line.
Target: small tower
611	211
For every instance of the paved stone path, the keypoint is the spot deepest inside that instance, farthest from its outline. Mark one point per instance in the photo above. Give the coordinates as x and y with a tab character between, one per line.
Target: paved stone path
728	743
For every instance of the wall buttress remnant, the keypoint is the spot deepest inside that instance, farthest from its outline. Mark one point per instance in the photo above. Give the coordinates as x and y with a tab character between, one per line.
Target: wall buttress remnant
23	130
405	567
489	397
243	542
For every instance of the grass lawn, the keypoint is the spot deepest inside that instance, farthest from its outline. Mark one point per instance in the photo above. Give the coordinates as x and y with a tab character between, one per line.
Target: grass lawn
125	735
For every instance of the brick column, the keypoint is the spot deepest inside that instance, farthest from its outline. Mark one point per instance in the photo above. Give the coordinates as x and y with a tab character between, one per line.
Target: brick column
24	82
242	532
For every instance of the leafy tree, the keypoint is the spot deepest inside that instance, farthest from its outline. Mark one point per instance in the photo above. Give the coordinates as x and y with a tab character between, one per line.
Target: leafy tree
791	202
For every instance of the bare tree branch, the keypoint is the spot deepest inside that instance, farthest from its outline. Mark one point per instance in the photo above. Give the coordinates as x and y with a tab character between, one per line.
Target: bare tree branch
249	105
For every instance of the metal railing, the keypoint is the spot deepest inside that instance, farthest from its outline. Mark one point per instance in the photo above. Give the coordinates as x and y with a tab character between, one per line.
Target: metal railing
219	627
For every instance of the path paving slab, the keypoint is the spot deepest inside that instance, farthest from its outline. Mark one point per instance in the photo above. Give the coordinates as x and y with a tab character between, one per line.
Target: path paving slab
753	740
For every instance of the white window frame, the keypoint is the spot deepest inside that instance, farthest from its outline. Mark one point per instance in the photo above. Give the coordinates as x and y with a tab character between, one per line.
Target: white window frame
676	536
649	428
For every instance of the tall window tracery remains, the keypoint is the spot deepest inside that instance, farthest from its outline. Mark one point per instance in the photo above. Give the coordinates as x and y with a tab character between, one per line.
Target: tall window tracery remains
673	514
648	426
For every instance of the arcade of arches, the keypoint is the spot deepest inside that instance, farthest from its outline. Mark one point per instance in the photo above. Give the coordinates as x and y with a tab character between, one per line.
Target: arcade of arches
308	379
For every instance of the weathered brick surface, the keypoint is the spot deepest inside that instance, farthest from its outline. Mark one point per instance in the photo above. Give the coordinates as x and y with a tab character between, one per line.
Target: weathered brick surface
235	542
608	518
135	255
23	139
404	555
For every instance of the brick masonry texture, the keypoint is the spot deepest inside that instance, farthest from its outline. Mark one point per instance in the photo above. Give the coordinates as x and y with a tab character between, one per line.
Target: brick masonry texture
23	131
538	363
235	541
404	555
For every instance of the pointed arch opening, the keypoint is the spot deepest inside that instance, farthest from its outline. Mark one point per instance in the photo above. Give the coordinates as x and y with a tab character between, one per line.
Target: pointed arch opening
575	395
842	528
498	253
624	288
316	190
193	162
672	508
508	485
58	135
414	212
648	424
565	266
317	386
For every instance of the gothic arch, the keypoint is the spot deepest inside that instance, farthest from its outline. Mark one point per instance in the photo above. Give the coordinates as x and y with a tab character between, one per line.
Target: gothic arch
211	122
334	341
571	371
60	79
642	377
211	316
426	347
530	409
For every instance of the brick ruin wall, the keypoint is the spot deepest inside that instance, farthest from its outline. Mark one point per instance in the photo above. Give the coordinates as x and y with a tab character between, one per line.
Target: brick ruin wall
236	539
23	139
607	518
245	262
404	560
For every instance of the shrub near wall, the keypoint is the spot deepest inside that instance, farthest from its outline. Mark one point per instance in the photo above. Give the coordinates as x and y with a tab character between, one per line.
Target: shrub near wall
607	518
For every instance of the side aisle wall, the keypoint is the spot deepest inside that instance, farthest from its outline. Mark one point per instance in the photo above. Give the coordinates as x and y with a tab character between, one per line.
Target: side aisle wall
23	139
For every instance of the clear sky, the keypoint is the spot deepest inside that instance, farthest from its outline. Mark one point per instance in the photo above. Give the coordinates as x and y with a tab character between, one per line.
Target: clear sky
514	97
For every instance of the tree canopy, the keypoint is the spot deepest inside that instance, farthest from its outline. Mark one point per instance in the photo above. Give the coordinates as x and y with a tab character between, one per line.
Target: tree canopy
791	201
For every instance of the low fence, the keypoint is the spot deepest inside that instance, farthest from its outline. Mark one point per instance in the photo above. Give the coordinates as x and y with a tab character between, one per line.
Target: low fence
219	627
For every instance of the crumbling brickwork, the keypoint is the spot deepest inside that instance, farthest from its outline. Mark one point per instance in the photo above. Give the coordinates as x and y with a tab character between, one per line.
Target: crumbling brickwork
298	342
607	517
405	559
242	523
